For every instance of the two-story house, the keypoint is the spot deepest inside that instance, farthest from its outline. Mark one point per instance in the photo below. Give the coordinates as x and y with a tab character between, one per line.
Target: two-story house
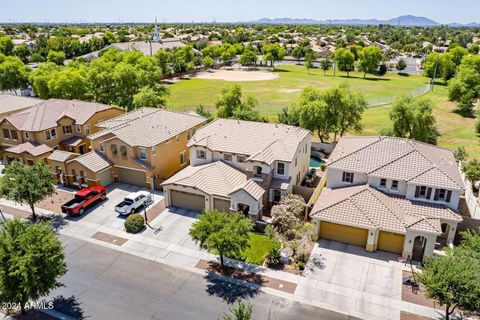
390	194
32	134
251	164
143	147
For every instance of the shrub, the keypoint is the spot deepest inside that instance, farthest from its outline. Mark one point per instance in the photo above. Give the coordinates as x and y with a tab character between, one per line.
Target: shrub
134	223
302	257
300	265
295	204
270	232
273	257
282	219
323	166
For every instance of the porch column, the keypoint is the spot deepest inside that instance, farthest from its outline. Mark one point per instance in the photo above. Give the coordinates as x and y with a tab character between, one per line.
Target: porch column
372	240
452	230
408	245
316	228
429	246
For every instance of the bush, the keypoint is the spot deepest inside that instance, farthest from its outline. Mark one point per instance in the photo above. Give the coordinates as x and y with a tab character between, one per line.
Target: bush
282	219
302	257
295	204
134	223
300	265
270	232
273	257
323	166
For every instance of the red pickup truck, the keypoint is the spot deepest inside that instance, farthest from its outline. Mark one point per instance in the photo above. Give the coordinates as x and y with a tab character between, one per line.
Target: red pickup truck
83	199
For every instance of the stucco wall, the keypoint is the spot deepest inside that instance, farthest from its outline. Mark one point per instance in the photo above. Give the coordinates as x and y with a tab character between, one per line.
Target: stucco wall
335	179
453	200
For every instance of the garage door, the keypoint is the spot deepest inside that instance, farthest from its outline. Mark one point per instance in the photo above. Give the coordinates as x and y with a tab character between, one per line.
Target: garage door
342	233
131	176
185	200
221	205
105	177
391	242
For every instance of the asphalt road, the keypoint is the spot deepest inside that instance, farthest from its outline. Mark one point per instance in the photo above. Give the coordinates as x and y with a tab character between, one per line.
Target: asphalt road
102	283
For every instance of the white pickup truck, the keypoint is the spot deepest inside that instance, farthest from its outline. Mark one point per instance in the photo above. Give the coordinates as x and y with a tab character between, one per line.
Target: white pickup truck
134	201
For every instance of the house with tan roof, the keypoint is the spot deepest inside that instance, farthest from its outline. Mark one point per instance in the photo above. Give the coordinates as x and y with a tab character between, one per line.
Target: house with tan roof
266	159
31	134
391	194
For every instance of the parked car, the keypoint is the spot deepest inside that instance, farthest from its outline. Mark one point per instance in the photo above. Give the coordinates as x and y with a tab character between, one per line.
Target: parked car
83	199
134	201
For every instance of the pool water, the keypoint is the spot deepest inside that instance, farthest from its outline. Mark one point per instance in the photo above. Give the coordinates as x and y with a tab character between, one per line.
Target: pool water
316	162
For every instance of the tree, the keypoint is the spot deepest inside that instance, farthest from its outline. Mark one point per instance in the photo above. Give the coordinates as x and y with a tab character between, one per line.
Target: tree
295	204
309	62
460	154
6	46
298	53
22	52
240	312
40	78
27	184
325	64
163	57
472	171
344	60
454	279
208	62
13	74
68	84
248	58
282	219
314	116
465	87
226	234
382	70
57	57
413	118
152	97
401	65
31	261
368	60
231	105
273	53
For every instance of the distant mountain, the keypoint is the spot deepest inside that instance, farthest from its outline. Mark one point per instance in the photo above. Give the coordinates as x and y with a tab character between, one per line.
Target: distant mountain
404	21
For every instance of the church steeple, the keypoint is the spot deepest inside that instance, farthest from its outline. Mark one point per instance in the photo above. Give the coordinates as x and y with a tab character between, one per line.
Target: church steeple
156	33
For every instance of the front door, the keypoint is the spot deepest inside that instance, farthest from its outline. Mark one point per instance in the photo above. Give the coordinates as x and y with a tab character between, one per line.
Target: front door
418	248
82	149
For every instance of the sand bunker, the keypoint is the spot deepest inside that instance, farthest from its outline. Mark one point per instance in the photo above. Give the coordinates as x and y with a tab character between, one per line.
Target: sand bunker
237	75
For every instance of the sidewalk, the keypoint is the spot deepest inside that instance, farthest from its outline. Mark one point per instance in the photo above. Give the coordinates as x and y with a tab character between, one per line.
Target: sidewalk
317	293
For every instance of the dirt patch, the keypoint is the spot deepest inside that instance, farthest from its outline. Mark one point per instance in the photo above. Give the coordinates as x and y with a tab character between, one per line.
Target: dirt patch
237	75
110	238
288	90
250	277
54	202
17	213
411	316
417	296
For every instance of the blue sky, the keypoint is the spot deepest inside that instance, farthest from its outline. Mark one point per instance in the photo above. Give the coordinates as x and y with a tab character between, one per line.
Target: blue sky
443	11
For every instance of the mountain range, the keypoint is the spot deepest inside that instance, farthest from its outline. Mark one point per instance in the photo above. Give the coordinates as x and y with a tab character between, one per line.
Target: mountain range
404	21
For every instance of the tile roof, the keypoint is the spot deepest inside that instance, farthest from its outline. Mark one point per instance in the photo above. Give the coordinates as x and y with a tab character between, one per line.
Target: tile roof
93	161
11	103
398	158
147	127
32	148
263	142
366	207
45	115
216	178
72	141
252	188
62	156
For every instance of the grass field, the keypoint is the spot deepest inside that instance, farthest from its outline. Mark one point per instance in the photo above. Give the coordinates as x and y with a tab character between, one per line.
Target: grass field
273	95
259	245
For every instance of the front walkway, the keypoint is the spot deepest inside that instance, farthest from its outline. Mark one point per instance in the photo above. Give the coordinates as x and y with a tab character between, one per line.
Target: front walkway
343	278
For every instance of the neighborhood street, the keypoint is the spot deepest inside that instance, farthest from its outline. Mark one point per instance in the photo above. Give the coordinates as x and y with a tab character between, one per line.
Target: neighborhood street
102	283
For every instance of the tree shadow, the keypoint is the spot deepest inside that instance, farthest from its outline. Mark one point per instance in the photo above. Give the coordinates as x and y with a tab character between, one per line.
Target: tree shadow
403	74
464	115
227	291
375	79
69	306
280	70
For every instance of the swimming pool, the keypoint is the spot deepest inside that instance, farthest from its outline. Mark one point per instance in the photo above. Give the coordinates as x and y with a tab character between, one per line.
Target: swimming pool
316	162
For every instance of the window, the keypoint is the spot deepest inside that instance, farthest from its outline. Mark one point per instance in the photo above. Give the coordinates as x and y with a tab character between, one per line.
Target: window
6	133
443	194
102	148
123	151
87	129
423	192
143	154
201	154
241	158
227	157
182	158
82	174
14	135
394	185
383	183
51	134
178	138
347	177
113	149
26	135
67	129
78	128
281	168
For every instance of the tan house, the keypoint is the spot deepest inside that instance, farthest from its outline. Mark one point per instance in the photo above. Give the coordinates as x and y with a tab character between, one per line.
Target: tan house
144	147
55	124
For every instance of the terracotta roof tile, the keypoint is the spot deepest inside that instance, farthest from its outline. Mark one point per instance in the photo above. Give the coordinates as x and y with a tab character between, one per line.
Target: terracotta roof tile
93	161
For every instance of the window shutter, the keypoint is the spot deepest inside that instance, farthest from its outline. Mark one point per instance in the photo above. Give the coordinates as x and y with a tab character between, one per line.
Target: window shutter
343	176
417	191
435	197
449	195
429	192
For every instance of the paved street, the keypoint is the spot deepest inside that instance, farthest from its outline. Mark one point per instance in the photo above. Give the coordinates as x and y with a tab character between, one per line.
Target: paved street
106	284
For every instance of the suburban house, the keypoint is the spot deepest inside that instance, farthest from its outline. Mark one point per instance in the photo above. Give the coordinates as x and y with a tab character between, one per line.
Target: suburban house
143	147
32	134
389	194
240	166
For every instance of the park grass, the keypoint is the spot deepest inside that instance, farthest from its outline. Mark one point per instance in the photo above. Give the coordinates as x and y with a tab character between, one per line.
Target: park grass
259	245
273	95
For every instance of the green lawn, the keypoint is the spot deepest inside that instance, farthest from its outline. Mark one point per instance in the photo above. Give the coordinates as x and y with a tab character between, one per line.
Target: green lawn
276	94
259	245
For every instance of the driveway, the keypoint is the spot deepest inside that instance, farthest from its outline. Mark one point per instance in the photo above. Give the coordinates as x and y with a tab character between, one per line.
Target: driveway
353	279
